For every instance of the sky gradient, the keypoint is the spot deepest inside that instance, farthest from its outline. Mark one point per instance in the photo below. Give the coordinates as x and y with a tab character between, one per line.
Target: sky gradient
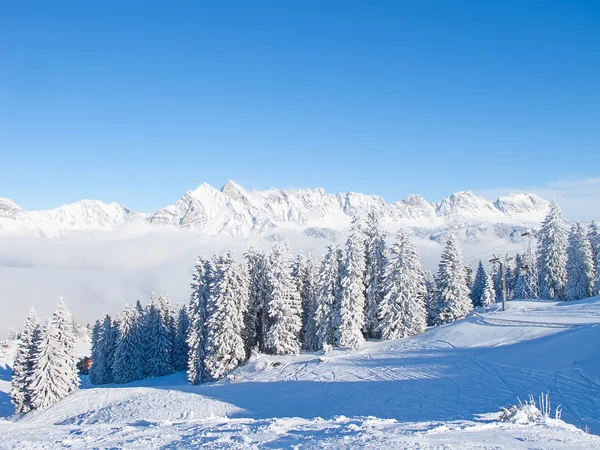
138	102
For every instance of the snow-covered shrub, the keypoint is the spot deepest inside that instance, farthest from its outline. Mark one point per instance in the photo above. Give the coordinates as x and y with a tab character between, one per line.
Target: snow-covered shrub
529	411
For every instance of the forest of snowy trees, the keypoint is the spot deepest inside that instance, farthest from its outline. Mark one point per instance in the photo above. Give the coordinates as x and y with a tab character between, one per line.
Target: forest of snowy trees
273	303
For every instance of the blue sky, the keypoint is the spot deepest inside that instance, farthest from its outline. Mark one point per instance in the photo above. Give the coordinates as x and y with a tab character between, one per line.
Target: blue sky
137	102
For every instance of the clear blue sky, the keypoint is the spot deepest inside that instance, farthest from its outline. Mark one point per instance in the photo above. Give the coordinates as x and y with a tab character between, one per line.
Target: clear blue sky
137	102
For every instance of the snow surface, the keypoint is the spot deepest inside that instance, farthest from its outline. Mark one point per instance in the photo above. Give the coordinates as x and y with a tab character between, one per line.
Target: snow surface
234	211
440	389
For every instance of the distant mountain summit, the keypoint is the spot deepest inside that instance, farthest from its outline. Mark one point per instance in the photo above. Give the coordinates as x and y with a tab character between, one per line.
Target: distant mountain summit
235	211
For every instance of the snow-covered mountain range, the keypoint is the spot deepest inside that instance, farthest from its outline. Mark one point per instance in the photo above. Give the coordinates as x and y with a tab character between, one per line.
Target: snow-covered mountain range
235	211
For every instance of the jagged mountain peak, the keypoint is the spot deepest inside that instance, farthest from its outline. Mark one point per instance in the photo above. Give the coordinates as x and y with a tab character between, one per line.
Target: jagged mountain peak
234	211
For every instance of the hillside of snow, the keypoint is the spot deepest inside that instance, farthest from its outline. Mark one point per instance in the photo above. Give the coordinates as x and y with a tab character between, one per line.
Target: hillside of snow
441	388
235	211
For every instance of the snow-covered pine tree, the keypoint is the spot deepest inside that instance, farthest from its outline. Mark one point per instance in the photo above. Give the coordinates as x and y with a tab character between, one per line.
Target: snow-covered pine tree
452	300
304	274
527	283
496	276
180	345
157	337
327	295
512	272
103	351
375	261
198	312
580	265
128	364
256	317
469	277
350	319
225	322
594	237
402	311
24	363
430	290
488	296
478	285
552	255
55	367
284	305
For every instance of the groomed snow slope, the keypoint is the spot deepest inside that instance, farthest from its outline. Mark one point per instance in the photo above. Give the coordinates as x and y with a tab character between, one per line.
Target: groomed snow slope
437	389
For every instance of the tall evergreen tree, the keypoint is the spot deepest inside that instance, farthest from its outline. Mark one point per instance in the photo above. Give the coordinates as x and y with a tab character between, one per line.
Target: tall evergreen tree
225	348
104	342
24	363
351	314
128	362
256	317
157	336
552	255
55	372
180	345
430	291
327	298
478	285
594	237
304	275
284	305
375	261
402	312
198	312
488	296
452	300
580	265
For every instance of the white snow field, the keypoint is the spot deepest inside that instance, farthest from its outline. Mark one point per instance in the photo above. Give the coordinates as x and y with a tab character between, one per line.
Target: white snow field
441	389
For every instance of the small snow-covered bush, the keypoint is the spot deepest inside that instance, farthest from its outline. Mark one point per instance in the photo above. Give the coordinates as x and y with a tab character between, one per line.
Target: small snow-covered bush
529	411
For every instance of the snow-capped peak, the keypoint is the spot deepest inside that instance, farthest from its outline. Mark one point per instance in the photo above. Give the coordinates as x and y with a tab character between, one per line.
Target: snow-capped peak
235	211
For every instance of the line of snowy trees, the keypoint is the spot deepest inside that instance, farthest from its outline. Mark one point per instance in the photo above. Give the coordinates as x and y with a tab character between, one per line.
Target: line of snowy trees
141	342
566	266
44	368
273	303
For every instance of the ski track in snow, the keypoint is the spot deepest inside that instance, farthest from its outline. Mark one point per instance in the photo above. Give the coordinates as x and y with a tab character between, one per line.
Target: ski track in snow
432	390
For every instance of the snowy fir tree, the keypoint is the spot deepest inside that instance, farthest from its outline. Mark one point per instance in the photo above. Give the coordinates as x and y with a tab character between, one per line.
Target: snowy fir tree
375	261
284	305
55	372
304	275
402	311
350	319
430	291
227	306
198	313
452	300
552	255
594	237
255	319
580	264
469	277
328	291
478	285
488	296
24	363
157	338
104	341
129	357
180	345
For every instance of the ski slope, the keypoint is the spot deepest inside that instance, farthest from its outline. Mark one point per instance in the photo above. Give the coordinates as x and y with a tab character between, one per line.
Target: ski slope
442	388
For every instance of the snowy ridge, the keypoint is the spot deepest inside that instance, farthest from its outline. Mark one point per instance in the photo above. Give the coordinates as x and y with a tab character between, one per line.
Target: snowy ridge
235	211
442	389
